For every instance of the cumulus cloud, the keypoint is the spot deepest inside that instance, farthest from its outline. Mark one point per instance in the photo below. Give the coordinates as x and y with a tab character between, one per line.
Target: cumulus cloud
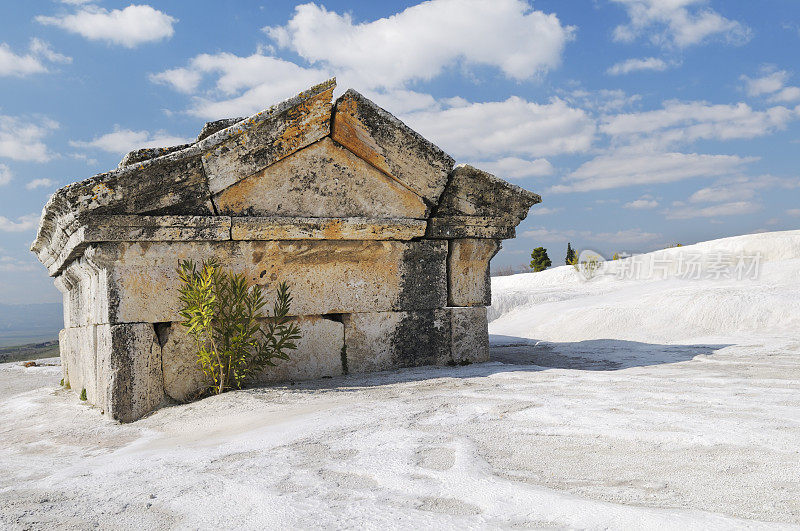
677	23
421	41
5	174
22	138
128	27
516	168
645	202
627	167
35	61
543	211
634	65
741	187
603	100
12	264
735	208
40	183
244	85
121	141
772	83
681	123
511	127
622	237
23	223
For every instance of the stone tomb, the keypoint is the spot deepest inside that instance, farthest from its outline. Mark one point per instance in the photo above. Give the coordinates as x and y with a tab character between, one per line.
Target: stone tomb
384	243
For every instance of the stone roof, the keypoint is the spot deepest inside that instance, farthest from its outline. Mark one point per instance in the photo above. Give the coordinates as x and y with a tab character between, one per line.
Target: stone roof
292	164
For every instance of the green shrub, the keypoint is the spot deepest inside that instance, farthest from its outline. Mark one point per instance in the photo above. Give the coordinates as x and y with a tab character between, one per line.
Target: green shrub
223	315
83	394
539	259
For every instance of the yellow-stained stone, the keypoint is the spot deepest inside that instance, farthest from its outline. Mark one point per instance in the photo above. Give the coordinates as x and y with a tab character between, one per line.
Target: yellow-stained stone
285	228
322	180
468	280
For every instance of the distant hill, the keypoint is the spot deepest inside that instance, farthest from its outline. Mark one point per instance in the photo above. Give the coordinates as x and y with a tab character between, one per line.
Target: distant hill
29	323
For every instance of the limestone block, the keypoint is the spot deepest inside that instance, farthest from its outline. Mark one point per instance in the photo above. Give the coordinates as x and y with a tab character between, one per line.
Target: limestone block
470	335
377	341
472	192
138	281
451	227
280	228
120	228
318	354
389	145
217	125
267	137
174	183
183	379
322	180
78	352
468	279
143	154
129	368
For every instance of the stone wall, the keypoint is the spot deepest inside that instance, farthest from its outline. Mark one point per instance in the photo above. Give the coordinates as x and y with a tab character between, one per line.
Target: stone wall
385	245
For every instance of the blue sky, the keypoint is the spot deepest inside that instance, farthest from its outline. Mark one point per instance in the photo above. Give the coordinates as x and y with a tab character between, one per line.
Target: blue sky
641	122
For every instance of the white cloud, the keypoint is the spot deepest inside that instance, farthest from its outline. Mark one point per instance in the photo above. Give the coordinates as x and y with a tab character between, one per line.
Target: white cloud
603	100
772	83
735	208
9	264
33	62
511	127
678	23
634	65
794	212
543	211
129	27
421	41
40	183
680	123
645	202
629	167
622	237
243	86
21	138
731	189
5	174
23	223
516	168
121	141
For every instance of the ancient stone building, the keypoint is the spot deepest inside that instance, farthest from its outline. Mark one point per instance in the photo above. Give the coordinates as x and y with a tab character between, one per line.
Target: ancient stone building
385	245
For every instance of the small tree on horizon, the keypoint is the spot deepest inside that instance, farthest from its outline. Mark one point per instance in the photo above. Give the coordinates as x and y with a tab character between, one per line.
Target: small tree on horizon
539	259
570	254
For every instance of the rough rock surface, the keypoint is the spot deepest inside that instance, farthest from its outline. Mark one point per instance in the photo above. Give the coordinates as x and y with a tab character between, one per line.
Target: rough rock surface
385	247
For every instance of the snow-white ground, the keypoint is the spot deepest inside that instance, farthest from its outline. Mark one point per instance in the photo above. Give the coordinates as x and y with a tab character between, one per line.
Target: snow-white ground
612	403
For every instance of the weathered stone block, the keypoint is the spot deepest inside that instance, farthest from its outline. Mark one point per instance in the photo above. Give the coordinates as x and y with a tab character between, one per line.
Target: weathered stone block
256	142
378	341
282	228
322	180
472	192
328	276
451	227
468	279
388	144
130	228
318	354
78	351
470	335
129	369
